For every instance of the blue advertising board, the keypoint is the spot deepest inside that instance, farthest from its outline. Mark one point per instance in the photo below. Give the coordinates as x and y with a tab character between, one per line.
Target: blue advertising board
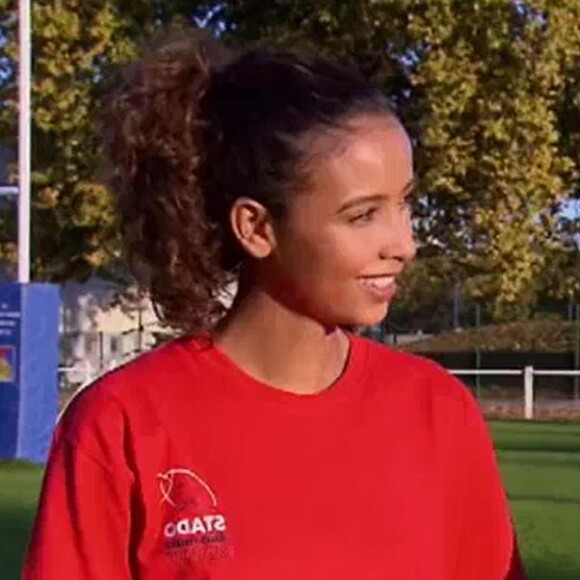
29	315
10	326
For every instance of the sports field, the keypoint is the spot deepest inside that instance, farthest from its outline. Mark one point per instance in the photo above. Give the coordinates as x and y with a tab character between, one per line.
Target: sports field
540	463
541	467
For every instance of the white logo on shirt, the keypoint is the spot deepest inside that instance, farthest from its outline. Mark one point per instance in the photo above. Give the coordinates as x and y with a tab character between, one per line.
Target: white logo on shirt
193	518
167	485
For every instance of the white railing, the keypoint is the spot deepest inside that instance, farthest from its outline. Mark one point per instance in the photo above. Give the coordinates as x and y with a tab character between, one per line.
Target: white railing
528	372
80	373
84	373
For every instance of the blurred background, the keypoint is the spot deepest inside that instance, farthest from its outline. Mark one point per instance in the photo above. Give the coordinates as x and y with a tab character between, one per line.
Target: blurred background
489	91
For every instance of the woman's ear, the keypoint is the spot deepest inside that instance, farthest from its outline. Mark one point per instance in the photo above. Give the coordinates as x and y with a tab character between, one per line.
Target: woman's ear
252	226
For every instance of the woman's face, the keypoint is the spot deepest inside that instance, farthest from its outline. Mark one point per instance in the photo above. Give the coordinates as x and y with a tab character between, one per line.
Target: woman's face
347	237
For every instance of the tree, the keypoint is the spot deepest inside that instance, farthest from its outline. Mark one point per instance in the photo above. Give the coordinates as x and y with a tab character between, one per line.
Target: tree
74	42
77	44
488	89
426	298
479	84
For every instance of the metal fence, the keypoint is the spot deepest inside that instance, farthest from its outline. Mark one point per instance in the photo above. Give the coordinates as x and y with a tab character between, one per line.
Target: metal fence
87	355
460	334
530	404
524	384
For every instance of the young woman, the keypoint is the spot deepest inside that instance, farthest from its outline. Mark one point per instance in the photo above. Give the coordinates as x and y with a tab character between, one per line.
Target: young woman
268	443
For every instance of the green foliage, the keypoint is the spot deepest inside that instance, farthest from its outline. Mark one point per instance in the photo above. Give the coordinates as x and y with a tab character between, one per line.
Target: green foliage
528	336
489	90
424	301
75	43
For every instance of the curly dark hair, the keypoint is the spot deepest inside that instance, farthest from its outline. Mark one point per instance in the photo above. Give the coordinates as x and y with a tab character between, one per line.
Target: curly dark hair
188	135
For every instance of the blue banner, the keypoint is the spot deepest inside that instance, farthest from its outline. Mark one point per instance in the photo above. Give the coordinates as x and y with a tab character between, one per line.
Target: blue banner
10	332
29	316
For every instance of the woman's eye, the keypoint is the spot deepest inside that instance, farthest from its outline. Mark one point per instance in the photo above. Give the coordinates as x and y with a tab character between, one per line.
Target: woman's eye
364	217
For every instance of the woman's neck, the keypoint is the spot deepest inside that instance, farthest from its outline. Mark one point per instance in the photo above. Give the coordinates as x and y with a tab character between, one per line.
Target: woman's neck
282	348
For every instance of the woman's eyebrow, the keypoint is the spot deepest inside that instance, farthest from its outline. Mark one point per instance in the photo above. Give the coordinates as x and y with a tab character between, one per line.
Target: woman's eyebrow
359	200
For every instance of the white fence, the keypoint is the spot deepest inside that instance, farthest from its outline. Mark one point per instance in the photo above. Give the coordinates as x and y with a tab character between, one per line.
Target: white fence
83	372
87	355
78	374
528	373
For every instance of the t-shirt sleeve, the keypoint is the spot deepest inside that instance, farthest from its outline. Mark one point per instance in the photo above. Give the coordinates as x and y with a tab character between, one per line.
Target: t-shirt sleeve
483	542
82	526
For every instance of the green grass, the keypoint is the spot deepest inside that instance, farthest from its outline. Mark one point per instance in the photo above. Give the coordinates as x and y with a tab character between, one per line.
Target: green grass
540	463
19	486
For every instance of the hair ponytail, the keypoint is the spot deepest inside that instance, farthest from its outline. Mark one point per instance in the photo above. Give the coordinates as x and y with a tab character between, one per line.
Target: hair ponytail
153	132
186	139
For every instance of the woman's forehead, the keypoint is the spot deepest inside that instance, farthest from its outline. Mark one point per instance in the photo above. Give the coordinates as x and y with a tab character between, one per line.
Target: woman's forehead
376	155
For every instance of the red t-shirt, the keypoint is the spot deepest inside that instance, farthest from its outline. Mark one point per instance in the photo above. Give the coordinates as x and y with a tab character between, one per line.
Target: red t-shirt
179	465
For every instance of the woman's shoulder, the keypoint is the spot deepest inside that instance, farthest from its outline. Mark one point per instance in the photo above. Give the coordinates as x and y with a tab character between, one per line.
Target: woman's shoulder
136	391
420	385
406	367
